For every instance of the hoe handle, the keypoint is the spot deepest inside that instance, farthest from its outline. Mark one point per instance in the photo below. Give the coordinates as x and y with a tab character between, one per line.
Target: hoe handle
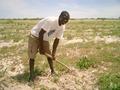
48	55
63	64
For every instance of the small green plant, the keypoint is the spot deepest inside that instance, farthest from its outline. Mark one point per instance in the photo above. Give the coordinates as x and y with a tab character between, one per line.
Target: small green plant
110	81
38	72
85	63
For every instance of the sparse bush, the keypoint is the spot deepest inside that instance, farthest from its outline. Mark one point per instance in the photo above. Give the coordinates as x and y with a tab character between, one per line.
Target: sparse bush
38	72
85	63
109	82
22	77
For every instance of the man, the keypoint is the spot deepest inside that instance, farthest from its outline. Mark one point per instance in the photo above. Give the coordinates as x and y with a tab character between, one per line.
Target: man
50	27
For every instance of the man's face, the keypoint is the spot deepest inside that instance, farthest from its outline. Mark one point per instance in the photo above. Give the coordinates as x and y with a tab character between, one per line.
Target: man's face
63	20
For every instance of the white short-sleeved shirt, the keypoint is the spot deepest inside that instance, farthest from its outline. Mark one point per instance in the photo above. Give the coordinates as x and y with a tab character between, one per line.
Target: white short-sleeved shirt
51	26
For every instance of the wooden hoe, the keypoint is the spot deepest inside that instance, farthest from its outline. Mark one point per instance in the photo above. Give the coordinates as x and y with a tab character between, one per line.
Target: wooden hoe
48	55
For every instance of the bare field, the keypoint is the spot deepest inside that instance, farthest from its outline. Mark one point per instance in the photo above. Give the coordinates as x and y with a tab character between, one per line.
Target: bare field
90	47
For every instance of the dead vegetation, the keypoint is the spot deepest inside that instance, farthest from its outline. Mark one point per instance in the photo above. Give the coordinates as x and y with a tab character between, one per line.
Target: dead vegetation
92	39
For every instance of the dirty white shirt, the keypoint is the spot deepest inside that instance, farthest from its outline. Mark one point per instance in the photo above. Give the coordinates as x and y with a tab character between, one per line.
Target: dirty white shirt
51	26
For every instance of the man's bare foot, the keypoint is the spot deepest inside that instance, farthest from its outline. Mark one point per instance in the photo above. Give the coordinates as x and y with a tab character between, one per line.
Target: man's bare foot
31	78
54	73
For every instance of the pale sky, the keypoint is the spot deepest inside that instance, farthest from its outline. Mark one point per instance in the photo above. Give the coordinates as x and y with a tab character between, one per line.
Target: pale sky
45	8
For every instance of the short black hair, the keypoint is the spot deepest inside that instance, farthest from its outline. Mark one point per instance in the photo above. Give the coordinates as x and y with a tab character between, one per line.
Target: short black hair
65	15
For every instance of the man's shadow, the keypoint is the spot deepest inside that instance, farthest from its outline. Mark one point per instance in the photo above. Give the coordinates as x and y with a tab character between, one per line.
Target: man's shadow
24	77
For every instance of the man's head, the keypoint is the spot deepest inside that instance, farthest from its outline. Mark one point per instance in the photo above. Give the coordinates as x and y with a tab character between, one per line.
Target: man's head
64	17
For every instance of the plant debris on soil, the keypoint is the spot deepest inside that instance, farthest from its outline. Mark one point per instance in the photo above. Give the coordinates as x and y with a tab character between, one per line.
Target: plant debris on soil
73	80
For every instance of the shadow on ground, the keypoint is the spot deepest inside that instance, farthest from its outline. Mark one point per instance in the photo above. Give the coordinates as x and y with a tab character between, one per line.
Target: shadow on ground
24	77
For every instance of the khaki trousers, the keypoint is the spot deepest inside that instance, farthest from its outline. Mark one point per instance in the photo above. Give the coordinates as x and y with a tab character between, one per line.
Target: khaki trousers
34	45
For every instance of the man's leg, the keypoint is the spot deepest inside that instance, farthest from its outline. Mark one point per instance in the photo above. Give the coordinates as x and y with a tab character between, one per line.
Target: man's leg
31	66
32	51
50	61
47	50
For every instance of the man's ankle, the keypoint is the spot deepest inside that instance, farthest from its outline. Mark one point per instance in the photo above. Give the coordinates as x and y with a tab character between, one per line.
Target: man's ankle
31	78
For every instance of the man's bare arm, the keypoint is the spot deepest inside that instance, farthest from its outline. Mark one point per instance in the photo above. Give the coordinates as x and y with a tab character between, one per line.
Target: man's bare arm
41	35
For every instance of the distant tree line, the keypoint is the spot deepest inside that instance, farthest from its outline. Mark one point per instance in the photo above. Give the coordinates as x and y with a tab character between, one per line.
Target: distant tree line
21	18
71	18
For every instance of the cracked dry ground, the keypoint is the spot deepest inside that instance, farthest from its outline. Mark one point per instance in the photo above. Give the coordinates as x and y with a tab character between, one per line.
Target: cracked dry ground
73	80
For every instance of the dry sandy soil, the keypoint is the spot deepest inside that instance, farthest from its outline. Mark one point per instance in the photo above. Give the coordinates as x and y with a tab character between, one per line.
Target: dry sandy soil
74	80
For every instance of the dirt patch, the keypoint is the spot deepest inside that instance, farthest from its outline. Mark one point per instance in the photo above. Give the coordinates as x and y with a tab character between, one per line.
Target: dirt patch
75	40
106	39
96	39
75	80
18	87
10	43
11	65
71	53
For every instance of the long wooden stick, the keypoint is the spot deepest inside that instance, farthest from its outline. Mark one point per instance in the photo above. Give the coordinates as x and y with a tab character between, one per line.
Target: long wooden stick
48	55
62	64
